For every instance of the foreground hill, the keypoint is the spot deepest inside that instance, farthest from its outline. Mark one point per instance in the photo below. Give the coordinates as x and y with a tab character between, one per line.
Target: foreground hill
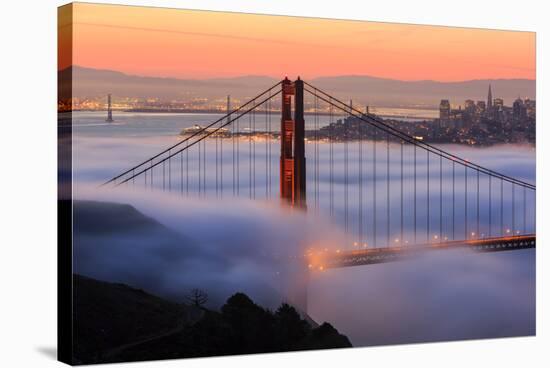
108	315
115	322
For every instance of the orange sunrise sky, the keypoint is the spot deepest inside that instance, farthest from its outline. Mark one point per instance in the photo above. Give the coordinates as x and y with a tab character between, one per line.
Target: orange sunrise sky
203	44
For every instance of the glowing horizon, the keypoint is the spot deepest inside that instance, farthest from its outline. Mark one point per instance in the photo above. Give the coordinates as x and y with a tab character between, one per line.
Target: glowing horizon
192	44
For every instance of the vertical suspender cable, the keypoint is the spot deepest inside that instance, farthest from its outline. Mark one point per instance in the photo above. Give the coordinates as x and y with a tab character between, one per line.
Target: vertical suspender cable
233	132
331	161
254	154
187	171
360	223
428	197
238	156
414	197
465	202
524	212
250	155
401	220
266	152
490	206
204	167
440	198
216	142
388	189
454	226
346	128
269	142
513	208
501	207
477	216
200	168
374	180
222	137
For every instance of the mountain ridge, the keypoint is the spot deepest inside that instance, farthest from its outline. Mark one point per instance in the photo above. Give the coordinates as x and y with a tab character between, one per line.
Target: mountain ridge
89	82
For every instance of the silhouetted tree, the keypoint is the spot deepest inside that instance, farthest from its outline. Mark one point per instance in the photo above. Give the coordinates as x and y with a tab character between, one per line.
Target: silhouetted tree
290	328
251	325
197	297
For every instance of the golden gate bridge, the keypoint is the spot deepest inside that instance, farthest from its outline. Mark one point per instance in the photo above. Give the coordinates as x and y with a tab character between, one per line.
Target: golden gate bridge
375	234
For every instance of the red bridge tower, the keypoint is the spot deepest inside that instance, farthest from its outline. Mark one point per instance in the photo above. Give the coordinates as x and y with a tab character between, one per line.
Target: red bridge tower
293	160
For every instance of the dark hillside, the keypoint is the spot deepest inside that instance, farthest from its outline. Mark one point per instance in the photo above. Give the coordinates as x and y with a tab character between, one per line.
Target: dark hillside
115	323
107	315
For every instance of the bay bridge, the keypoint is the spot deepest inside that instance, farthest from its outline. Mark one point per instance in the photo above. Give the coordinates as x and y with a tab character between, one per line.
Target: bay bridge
392	194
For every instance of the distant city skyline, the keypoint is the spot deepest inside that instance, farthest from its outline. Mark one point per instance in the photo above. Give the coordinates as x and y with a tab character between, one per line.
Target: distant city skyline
203	44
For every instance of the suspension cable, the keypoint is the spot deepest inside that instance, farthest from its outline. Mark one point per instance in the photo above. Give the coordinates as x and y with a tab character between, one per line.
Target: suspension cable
200	139
198	132
380	124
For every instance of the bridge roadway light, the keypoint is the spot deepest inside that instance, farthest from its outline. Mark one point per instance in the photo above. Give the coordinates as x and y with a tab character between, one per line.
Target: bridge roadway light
396	240
507	231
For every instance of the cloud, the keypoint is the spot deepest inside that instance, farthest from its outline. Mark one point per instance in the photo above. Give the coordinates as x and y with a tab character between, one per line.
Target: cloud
220	246
442	296
238	244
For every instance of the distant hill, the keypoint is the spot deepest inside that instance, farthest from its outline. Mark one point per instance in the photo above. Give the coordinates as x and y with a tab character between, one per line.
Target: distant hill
93	82
363	89
386	92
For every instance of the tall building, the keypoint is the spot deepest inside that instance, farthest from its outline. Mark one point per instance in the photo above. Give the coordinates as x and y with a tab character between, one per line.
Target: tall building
530	107
498	109
489	99
481	107
469	106
519	112
444	110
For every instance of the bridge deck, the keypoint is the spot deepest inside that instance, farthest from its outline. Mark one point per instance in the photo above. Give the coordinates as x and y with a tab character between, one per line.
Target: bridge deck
390	254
